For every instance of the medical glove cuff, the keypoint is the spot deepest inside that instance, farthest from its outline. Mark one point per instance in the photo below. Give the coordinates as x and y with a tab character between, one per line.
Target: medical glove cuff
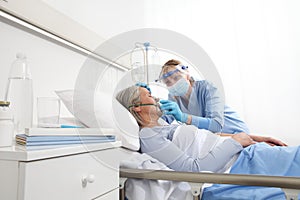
200	122
184	117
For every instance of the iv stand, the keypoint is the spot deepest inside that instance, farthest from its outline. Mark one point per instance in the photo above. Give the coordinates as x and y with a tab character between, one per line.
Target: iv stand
147	45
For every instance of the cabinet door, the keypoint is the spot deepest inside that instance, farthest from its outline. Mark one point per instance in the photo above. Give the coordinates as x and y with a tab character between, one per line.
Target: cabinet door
8	179
82	176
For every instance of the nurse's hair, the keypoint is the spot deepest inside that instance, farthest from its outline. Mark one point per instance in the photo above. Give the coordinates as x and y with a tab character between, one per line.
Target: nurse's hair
129	97
171	65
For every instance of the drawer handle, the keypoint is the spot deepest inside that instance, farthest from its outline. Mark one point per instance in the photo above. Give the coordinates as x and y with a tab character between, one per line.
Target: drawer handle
87	179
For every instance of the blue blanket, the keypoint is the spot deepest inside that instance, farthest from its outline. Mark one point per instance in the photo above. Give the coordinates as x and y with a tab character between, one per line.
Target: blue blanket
258	159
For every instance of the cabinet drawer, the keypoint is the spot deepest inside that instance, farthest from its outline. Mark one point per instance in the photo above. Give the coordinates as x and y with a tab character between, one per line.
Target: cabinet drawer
113	195
61	178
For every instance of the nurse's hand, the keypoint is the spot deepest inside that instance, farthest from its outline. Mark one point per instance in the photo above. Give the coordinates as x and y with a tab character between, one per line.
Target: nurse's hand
144	85
172	108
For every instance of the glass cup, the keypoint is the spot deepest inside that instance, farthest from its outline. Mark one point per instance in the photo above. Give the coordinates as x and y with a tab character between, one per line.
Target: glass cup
48	111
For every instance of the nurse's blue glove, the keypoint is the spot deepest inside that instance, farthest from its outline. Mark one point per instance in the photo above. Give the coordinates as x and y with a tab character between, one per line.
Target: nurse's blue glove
144	85
172	108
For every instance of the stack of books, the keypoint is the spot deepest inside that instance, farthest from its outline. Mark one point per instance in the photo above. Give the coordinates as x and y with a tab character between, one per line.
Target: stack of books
42	138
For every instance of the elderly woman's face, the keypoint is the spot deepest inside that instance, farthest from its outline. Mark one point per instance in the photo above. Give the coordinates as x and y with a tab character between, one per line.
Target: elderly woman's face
153	108
146	96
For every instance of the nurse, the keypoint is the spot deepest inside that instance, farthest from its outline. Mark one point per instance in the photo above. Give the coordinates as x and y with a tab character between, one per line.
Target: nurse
197	102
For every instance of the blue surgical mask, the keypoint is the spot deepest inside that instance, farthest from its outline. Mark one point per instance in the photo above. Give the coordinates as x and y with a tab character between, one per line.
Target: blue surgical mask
180	88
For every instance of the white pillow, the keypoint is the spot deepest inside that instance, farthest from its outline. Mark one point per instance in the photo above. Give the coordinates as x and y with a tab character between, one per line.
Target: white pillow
98	109
128	129
91	108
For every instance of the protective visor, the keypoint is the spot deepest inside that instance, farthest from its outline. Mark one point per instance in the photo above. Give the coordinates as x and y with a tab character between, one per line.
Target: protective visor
172	74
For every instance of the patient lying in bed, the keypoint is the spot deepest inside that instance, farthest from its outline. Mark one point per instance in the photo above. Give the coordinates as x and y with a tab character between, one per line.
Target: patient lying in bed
186	148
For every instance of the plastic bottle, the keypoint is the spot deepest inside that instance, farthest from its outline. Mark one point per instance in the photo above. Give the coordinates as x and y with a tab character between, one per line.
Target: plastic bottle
6	125
19	93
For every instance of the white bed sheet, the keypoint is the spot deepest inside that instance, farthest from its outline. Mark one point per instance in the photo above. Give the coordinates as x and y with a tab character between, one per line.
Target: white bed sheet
140	189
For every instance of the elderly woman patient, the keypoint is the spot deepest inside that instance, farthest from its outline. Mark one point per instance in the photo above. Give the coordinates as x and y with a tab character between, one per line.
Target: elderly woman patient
187	148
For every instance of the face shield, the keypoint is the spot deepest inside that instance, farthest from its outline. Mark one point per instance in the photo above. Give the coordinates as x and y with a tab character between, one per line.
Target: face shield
171	77
175	81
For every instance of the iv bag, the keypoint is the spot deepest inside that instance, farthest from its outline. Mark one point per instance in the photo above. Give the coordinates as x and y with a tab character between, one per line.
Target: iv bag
137	72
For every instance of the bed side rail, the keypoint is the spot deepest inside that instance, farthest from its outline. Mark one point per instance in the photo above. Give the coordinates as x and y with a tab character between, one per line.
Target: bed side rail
290	185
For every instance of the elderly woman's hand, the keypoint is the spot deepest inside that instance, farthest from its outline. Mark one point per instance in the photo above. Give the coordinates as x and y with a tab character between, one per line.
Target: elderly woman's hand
269	140
243	138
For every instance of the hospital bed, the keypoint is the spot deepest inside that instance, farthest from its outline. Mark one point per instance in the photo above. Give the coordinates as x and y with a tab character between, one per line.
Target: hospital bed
199	181
290	185
127	132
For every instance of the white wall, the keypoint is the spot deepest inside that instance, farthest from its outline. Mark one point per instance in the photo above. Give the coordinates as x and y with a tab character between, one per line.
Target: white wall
271	60
53	67
254	44
106	17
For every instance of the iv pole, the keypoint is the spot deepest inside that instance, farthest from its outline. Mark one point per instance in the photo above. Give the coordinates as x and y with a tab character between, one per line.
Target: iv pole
147	45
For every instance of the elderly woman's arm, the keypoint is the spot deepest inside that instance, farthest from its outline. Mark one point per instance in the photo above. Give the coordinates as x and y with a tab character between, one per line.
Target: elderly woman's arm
269	140
164	150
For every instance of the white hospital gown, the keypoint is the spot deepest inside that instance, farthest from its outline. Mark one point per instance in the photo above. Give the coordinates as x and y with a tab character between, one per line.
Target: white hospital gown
212	154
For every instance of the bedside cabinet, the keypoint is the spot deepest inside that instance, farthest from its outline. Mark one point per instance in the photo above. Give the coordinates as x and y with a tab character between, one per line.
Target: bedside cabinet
71	172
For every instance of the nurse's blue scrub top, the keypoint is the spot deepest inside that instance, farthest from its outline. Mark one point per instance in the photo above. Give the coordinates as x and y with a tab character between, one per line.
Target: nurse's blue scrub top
208	110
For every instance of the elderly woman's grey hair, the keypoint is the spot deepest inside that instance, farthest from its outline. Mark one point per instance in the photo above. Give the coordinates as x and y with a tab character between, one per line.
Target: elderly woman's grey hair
128	97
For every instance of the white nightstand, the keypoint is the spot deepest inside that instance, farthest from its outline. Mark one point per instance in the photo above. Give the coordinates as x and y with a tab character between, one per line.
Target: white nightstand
69	173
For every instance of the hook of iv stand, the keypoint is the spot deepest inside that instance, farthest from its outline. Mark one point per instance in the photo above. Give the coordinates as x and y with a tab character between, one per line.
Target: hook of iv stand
147	45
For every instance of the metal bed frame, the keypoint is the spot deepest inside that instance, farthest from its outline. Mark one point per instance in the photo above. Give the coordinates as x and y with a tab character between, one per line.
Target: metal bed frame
289	185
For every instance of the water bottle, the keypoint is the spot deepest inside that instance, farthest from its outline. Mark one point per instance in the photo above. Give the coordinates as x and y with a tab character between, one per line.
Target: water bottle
6	125
19	93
